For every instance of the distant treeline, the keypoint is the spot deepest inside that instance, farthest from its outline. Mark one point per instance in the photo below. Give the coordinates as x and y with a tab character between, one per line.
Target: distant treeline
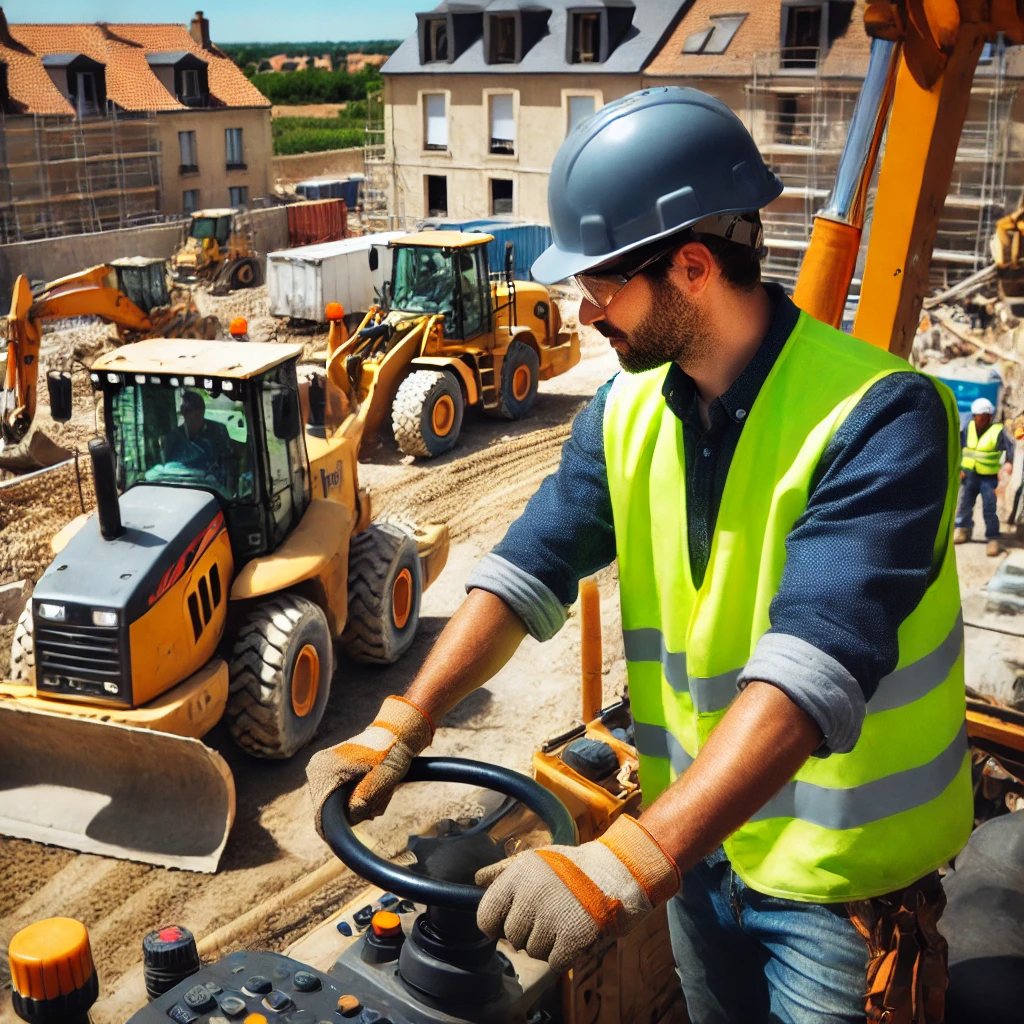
317	85
253	53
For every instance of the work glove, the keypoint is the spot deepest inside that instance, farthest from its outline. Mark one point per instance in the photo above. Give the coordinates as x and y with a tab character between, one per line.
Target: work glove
558	902
378	757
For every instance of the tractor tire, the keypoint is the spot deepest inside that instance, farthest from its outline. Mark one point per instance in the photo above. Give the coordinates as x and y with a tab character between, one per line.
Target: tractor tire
23	651
427	413
520	374
246	274
385	587
280	676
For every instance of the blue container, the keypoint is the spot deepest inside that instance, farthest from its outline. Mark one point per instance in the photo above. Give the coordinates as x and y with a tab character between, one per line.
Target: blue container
528	241
971	385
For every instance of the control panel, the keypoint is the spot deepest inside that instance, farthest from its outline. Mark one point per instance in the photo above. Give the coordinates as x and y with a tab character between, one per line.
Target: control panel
251	987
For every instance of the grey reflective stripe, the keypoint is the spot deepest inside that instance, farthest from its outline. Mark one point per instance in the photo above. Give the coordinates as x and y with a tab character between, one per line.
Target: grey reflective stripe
648	645
657	741
714	692
872	801
919	678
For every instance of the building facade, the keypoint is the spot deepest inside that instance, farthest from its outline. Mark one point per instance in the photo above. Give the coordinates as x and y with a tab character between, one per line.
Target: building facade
107	126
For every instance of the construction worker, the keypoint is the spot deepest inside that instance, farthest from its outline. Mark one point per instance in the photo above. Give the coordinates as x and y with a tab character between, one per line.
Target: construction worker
197	443
779	497
985	446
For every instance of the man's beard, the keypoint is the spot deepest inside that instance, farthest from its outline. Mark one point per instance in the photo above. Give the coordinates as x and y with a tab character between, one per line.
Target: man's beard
674	331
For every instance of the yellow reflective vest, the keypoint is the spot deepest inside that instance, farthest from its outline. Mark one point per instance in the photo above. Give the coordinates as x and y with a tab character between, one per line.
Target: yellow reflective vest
982	455
847	826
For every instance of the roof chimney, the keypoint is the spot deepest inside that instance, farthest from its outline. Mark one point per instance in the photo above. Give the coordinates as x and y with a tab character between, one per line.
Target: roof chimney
200	30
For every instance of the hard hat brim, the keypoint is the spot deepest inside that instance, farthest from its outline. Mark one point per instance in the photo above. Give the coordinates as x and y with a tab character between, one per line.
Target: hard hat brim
555	265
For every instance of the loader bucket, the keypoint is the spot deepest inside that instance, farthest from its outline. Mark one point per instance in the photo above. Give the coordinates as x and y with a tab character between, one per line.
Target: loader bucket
34	451
115	790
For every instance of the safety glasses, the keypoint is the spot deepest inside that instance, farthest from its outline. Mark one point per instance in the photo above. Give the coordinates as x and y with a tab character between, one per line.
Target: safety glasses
600	289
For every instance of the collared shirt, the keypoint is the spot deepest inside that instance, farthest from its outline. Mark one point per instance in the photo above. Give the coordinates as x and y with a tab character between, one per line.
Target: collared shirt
857	561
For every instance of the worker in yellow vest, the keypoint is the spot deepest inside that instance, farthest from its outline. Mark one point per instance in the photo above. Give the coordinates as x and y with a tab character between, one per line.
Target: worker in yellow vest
779	498
985	447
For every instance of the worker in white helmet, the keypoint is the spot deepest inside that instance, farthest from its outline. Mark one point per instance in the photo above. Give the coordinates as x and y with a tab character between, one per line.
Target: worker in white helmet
987	447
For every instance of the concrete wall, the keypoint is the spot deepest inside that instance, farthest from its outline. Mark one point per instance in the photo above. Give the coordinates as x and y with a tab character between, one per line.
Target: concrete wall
288	170
50	258
540	106
213	179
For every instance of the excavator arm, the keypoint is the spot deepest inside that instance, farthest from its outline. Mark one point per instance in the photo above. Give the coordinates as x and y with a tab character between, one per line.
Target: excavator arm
924	53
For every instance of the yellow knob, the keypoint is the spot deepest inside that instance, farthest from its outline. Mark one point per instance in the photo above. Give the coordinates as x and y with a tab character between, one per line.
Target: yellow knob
50	958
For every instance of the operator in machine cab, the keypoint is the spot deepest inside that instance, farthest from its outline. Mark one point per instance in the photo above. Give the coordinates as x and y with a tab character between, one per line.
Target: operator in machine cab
197	442
779	498
985	447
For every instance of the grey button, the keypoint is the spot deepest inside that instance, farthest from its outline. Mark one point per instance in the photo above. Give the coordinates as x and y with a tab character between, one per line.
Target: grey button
707	453
741	414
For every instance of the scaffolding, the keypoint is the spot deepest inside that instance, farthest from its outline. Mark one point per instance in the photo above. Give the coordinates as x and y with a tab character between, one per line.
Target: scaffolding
378	174
800	118
66	176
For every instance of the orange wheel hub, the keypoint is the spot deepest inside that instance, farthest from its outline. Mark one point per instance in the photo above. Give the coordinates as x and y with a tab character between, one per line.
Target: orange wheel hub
522	379
305	681
401	599
442	416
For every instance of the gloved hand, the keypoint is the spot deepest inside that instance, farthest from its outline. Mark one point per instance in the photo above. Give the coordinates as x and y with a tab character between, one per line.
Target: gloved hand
379	756
559	901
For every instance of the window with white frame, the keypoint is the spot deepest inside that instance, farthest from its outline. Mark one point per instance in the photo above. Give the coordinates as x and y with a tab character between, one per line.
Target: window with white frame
436	134
188	153
234	157
580	108
503	125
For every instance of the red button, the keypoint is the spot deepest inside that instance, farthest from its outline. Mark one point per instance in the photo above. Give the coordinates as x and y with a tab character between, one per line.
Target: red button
386	923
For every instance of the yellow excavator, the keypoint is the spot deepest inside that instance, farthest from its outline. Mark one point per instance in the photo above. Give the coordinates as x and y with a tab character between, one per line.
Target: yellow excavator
450	333
132	293
218	248
232	548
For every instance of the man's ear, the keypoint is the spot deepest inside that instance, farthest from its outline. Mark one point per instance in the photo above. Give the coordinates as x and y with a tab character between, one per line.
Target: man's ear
693	267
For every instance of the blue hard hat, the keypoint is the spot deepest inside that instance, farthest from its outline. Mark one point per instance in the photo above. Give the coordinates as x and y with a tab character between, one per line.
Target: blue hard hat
643	167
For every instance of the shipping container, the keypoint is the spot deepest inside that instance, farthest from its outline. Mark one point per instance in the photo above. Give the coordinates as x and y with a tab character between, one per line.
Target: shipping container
332	188
528	240
311	223
969	381
300	282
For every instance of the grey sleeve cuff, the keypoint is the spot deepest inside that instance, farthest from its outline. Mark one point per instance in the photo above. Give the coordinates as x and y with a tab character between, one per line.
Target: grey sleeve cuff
541	612
815	682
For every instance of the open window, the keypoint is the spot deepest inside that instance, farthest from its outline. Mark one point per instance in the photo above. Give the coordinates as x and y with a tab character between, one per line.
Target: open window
802	37
437	40
501	196
596	29
716	37
446	32
501	48
437	195
80	79
586	38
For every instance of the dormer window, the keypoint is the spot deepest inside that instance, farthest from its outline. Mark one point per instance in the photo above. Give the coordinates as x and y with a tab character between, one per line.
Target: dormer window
437	40
716	37
502	39
586	38
803	35
190	84
184	75
80	79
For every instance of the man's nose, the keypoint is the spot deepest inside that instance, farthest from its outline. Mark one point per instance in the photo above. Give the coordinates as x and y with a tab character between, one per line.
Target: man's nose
589	312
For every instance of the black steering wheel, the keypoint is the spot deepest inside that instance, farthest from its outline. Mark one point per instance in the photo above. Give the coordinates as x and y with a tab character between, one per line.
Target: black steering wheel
450	895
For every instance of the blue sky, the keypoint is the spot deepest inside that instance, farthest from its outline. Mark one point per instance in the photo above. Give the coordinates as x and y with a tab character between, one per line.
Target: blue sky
238	21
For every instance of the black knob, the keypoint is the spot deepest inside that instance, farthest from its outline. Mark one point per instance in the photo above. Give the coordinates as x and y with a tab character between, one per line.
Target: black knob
199	999
257	985
169	955
305	982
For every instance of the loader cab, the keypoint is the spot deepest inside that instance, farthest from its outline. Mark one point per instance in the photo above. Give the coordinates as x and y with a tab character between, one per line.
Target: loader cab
144	281
230	427
215	225
444	272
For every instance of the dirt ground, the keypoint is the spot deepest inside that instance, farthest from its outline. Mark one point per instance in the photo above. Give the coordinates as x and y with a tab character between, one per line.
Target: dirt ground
478	489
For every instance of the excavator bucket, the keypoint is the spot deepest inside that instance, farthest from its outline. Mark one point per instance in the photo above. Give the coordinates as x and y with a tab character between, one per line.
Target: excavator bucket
112	789
34	451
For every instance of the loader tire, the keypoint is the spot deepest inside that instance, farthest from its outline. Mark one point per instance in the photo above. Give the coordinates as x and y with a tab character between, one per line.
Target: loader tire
23	651
520	370
427	413
385	587
280	676
245	275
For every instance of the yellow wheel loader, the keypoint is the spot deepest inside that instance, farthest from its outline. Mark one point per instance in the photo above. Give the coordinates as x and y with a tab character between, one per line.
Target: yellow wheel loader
218	247
230	551
132	293
450	334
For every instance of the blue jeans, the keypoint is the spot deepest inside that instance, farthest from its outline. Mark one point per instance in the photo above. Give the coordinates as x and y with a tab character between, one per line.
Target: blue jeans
745	958
972	484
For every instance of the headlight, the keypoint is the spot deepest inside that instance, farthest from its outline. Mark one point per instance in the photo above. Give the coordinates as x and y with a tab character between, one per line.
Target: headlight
110	687
104	618
52	611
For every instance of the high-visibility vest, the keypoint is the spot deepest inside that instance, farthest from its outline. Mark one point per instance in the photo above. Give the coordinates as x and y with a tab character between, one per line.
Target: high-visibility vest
851	825
981	455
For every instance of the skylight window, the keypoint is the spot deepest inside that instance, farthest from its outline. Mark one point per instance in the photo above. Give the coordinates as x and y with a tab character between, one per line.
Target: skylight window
717	37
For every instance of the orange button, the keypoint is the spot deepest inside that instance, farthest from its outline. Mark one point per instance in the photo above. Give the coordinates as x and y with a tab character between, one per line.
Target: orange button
50	958
386	923
349	1006
255	1018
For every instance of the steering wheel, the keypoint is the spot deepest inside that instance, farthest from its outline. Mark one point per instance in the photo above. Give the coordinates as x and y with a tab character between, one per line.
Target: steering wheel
451	895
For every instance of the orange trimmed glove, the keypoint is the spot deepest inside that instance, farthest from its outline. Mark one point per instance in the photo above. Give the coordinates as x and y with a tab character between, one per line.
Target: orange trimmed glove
379	757
558	902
